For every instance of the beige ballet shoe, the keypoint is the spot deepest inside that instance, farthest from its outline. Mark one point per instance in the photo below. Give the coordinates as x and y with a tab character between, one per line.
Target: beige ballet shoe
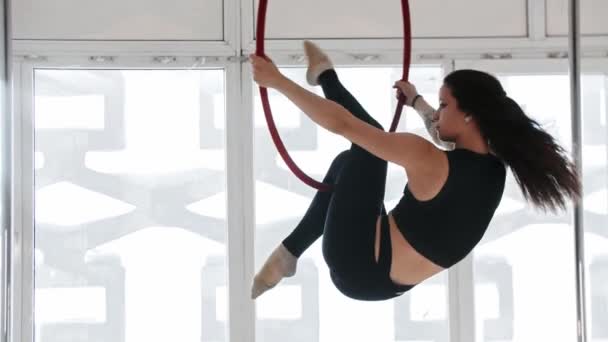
280	264
318	62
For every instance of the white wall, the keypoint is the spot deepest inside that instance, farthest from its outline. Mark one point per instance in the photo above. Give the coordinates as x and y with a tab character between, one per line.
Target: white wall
118	19
593	17
205	20
383	18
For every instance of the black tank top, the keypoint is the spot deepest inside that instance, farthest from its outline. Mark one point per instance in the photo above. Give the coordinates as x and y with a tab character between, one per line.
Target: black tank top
445	228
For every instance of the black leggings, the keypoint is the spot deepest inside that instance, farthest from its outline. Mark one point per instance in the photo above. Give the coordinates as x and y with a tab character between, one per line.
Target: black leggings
346	217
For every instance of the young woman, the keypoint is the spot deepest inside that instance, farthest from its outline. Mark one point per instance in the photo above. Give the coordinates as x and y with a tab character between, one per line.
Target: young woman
450	196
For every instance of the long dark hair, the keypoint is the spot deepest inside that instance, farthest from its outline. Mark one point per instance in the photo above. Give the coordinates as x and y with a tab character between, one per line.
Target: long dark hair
545	174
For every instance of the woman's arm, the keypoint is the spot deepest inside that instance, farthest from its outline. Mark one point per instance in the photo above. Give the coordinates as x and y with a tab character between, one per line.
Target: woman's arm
427	113
405	149
327	114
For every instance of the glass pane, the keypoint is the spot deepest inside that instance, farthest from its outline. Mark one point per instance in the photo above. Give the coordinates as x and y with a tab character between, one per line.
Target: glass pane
308	307
524	266
129	208
595	183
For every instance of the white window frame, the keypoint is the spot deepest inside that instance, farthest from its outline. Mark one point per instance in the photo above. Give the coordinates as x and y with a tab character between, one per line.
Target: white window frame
509	54
239	168
239	185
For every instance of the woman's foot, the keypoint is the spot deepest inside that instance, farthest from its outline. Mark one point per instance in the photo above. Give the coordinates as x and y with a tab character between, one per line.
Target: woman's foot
318	62
280	264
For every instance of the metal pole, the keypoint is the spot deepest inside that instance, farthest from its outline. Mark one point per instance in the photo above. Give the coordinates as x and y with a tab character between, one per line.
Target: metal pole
6	167
6	171
6	124
575	92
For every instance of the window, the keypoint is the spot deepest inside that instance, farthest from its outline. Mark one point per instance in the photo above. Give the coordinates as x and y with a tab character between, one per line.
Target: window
130	210
524	266
594	96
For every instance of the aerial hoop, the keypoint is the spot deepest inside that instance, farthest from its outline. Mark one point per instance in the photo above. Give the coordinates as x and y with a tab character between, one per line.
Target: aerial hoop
260	32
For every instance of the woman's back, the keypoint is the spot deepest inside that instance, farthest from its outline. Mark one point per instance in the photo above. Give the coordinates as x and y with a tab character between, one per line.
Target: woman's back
445	228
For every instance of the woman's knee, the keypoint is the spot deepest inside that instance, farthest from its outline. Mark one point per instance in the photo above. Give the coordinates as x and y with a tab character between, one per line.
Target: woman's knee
336	166
339	160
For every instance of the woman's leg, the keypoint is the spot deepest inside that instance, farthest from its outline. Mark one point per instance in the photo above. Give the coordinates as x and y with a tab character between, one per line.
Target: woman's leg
321	72
346	217
358	195
335	91
310	228
283	260
312	224
364	168
357	202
